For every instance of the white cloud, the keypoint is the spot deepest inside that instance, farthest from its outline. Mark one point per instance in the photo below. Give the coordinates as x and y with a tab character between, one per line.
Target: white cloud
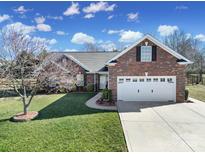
21	10
60	32
115	31
72	10
27	30
110	17
132	16
71	50
200	37
99	6
52	41
82	38
107	46
4	17
19	27
40	20
40	39
126	36
45	40
55	17
44	27
166	30
88	16
130	36
188	35
41	26
182	7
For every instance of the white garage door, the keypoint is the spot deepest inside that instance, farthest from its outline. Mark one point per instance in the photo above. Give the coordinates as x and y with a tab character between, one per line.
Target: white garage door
149	88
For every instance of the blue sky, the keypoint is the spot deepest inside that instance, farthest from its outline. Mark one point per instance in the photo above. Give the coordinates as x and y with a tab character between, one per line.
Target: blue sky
69	25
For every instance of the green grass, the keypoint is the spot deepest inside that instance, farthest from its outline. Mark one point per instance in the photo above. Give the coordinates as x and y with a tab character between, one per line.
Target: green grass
64	124
197	91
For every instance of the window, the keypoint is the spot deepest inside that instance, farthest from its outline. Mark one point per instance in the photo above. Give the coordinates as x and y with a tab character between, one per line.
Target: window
121	80
134	80
155	79
141	80
80	79
169	80
162	79
149	79
146	53
128	80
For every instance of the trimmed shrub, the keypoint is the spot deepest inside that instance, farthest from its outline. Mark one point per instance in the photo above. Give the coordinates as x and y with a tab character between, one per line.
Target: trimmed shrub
186	94
107	94
90	87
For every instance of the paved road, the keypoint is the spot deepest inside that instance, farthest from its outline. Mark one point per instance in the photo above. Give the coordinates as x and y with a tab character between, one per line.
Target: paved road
163	126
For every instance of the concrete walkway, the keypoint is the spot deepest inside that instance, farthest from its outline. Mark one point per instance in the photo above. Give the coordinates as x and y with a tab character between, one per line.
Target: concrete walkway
92	103
163	127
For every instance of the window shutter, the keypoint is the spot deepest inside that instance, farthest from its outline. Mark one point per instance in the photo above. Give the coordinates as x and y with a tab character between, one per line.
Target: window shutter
138	53
154	53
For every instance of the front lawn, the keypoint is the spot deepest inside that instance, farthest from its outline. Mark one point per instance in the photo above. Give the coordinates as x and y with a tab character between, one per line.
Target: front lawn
197	91
64	124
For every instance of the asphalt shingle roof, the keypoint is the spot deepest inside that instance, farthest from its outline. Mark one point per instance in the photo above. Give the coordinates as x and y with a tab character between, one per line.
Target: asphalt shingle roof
94	61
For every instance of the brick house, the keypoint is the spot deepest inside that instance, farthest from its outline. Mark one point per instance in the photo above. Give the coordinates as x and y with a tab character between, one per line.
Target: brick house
146	71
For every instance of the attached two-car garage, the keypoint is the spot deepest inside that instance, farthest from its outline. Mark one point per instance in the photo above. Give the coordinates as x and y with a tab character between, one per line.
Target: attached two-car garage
146	88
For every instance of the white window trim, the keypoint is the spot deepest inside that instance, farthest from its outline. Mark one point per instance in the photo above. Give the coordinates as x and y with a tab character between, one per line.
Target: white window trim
145	50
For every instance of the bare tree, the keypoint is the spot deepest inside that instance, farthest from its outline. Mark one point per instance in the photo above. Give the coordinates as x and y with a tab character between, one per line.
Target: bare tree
182	43
201	61
189	47
19	56
91	47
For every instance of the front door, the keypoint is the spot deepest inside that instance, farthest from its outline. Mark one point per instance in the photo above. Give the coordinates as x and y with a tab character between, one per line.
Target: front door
103	81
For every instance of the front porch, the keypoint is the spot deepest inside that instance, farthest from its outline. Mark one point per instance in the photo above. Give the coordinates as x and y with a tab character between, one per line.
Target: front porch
98	79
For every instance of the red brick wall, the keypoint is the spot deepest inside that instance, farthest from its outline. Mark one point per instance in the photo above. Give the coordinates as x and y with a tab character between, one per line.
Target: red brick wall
89	79
66	79
165	65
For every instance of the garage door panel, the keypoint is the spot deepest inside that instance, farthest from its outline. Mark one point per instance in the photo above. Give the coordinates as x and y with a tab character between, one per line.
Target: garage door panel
151	88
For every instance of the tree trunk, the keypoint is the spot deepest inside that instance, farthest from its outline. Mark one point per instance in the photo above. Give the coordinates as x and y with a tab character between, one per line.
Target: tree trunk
200	75
25	106
25	109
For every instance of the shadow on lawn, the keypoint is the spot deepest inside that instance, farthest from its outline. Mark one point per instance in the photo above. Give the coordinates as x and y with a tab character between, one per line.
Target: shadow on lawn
68	105
3	120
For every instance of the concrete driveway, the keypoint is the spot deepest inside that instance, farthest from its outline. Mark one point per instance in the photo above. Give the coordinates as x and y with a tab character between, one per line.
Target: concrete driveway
163	126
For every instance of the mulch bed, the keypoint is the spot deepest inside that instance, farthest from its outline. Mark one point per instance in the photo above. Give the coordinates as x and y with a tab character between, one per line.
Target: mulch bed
105	103
21	117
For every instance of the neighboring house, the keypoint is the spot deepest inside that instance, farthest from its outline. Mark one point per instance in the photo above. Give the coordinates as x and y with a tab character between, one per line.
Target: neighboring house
146	71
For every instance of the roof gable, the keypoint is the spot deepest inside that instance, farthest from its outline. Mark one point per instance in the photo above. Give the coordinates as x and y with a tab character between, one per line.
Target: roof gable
158	43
